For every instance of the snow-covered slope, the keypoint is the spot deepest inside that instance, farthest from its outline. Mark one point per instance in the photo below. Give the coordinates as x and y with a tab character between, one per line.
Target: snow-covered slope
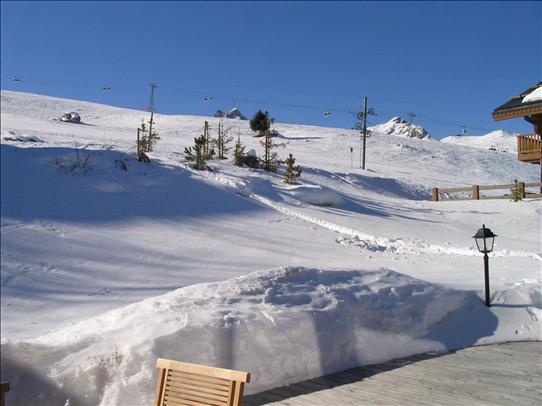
103	270
401	128
498	140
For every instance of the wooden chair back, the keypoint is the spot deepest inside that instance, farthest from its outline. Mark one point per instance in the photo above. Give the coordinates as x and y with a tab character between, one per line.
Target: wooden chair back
4	387
182	383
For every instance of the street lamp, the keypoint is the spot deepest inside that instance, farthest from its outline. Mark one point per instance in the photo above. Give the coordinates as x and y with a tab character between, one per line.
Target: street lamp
484	238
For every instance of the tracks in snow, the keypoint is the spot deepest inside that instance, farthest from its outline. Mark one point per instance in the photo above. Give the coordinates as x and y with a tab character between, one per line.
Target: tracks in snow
350	236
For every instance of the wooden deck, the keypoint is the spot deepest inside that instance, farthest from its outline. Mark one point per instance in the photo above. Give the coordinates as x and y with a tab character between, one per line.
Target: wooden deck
506	374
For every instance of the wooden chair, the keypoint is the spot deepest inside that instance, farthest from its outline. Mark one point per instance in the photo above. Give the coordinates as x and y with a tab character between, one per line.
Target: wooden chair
181	383
4	387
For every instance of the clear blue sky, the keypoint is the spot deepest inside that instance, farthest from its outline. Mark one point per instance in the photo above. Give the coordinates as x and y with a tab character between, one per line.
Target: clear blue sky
451	63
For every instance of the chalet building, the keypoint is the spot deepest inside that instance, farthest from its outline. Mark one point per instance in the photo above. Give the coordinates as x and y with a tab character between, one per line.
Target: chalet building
529	106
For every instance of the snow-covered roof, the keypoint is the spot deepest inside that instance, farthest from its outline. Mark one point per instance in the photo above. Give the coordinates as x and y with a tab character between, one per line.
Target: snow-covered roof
527	103
535	95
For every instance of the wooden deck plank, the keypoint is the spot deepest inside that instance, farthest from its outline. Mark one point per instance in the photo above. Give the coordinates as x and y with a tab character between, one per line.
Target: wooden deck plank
486	375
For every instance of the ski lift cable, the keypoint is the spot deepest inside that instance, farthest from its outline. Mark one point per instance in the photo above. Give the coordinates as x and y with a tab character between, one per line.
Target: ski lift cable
176	91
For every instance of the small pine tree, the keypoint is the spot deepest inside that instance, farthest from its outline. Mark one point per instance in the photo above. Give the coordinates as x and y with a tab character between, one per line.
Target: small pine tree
197	154
517	192
222	141
260	123
206	138
271	161
142	143
292	172
146	139
238	152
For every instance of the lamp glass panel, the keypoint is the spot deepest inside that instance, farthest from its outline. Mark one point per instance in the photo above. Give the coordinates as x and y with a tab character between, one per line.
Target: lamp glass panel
489	243
480	244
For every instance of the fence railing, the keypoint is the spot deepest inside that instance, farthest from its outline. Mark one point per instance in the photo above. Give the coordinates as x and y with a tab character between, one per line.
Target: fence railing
528	147
474	191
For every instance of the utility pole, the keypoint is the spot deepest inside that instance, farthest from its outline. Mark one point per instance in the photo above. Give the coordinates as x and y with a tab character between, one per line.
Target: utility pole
364	129
152	107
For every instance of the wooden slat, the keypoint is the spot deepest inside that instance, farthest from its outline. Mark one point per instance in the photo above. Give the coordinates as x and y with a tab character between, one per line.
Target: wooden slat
455	189
160	382
497	187
197	391
220	392
183	402
237	392
179	376
533	184
204	370
182	397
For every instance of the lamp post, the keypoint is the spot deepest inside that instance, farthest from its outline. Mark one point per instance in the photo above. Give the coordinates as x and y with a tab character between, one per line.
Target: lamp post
484	238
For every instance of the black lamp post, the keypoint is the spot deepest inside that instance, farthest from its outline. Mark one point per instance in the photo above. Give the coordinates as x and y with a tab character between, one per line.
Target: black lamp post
484	238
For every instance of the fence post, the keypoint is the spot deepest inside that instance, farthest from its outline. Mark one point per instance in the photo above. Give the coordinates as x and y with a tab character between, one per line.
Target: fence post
521	186
475	192
434	194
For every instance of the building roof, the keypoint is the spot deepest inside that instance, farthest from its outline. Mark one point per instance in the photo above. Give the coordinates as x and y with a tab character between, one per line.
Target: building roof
520	106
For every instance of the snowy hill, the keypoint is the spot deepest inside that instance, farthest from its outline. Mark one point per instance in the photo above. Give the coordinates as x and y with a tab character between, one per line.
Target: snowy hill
499	140
401	128
105	269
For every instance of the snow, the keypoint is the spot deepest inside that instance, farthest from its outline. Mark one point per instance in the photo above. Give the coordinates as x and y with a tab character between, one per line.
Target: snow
535	95
104	270
401	128
499	140
10	136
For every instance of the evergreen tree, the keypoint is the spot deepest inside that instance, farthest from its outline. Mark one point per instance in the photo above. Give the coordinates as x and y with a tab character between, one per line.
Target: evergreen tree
260	123
239	152
146	139
222	141
142	143
517	192
271	160
153	135
292	172
197	153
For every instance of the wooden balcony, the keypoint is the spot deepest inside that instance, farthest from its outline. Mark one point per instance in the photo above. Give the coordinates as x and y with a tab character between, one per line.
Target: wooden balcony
529	148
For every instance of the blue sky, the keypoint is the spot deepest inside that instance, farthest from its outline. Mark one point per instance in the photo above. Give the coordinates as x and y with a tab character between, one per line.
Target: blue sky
451	63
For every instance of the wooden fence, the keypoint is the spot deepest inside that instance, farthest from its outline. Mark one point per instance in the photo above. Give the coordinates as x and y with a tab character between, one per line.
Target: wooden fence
475	191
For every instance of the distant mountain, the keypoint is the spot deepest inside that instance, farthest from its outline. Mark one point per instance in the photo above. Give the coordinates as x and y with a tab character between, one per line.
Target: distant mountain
498	140
233	113
401	128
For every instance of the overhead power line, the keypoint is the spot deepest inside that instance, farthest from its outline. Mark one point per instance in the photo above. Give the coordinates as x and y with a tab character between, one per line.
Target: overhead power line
172	90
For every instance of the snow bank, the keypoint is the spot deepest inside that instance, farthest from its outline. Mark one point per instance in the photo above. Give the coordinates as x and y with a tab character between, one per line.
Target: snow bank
316	195
283	325
11	136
